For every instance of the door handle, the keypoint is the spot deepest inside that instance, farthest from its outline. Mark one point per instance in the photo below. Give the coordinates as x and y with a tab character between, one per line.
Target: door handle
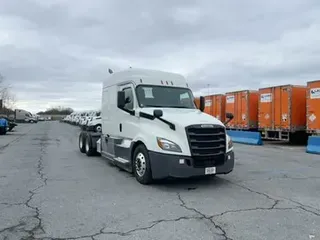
120	127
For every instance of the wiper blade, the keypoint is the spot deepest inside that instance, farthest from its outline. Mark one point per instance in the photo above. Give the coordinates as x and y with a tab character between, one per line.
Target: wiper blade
153	105
178	107
166	106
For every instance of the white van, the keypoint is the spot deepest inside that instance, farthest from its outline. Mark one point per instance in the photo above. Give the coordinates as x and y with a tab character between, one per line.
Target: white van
152	127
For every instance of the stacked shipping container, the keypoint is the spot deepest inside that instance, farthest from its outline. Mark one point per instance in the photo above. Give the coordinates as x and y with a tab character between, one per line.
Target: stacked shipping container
197	102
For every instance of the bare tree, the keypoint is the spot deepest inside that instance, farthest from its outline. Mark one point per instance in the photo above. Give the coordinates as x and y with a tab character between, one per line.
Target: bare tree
8	98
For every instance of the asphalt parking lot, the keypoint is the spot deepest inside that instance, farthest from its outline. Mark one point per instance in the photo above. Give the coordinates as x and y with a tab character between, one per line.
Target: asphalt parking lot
49	190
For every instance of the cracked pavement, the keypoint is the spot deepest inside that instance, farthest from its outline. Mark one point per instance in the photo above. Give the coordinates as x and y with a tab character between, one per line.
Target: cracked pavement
49	190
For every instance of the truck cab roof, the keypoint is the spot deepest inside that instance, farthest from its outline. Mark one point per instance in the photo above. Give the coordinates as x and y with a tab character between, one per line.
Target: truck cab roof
146	77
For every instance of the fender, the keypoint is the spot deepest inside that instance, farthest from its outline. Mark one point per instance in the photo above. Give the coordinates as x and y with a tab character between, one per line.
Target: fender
140	138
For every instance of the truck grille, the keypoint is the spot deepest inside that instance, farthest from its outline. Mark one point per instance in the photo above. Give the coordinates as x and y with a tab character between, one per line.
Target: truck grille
207	145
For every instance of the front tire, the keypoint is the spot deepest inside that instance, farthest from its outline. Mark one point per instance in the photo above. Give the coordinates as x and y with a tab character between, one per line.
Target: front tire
3	131
141	165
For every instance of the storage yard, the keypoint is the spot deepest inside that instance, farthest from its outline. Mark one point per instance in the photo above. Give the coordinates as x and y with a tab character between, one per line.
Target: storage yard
74	179
49	190
158	120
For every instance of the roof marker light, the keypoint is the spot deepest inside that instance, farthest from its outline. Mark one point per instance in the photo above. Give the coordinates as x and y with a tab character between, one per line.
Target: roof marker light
161	82
171	83
167	82
140	80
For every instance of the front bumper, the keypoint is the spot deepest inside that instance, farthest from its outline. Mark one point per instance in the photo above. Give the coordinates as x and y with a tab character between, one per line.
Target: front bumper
168	165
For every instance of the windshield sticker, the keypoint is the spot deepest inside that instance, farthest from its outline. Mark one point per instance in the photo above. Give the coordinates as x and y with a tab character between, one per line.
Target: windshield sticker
148	93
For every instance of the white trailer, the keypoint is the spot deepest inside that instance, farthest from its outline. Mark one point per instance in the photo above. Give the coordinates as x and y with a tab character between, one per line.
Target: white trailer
152	128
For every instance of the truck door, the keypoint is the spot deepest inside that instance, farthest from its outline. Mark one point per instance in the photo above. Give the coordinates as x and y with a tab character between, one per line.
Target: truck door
126	120
127	124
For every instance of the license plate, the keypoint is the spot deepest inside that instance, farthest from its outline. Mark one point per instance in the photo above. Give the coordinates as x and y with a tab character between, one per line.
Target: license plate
210	170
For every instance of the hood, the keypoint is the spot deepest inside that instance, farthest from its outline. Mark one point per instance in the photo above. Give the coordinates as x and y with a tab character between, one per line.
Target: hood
185	117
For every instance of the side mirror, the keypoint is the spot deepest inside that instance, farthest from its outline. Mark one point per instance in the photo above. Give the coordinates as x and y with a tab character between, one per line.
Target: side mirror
157	113
121	100
229	116
202	104
128	100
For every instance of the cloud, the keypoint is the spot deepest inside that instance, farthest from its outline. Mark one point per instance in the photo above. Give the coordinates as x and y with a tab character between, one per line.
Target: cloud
57	52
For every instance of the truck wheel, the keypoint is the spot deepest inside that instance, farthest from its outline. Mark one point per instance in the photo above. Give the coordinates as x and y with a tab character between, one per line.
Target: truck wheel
82	143
141	165
98	128
90	151
3	130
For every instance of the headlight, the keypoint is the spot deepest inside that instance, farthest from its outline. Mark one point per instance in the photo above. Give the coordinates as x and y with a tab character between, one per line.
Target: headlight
167	145
229	143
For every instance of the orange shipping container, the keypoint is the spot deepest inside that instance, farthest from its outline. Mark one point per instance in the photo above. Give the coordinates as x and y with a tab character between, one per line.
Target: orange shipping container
197	102
282	108
208	105
244	106
215	106
313	106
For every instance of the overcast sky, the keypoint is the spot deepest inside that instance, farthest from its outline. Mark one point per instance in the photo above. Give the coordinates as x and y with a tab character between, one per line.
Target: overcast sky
57	52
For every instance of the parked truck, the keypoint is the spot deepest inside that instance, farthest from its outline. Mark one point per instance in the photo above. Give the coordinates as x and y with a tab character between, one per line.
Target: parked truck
152	128
10	124
23	116
94	123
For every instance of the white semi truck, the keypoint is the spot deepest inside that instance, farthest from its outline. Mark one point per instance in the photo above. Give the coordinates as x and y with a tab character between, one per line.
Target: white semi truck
152	128
94	123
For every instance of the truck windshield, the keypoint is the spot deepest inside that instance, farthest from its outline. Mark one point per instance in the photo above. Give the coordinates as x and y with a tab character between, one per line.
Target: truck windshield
163	96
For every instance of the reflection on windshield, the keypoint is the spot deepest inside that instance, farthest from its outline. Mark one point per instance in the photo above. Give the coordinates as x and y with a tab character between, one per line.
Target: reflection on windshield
163	96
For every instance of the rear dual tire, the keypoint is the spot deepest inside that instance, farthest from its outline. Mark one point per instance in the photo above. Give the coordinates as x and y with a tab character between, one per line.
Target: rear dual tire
82	143
86	146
